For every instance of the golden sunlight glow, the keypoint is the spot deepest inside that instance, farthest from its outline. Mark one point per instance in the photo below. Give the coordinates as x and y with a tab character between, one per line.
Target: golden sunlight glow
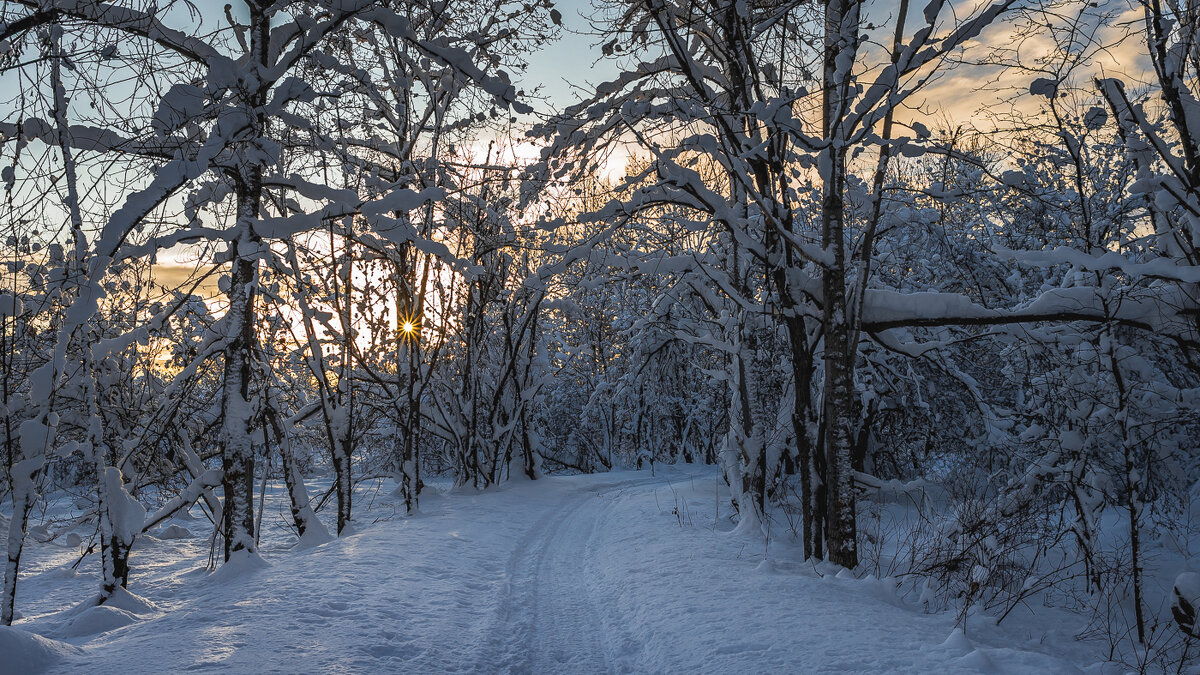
409	327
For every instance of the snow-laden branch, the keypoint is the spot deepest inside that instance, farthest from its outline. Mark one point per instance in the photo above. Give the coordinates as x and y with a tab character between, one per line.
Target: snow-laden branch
136	22
206	481
1156	268
88	138
1155	312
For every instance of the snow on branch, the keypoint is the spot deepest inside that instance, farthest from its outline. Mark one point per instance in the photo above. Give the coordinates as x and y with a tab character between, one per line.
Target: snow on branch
885	309
1158	268
136	22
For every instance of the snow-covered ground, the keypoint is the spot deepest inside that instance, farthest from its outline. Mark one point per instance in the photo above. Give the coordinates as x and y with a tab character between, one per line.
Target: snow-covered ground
615	573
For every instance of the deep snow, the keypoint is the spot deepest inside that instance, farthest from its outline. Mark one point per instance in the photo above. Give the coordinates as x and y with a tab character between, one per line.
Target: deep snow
622	572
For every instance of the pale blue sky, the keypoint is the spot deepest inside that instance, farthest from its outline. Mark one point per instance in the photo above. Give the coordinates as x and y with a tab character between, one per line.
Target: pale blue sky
570	59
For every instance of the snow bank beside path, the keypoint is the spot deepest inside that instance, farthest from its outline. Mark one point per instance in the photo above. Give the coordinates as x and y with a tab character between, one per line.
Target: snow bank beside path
679	592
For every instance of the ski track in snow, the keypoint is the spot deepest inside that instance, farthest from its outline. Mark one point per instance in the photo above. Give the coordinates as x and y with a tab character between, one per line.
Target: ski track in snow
617	573
543	619
547	620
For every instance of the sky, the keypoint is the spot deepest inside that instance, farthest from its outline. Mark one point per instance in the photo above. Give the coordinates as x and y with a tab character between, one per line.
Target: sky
572	59
573	63
969	94
565	68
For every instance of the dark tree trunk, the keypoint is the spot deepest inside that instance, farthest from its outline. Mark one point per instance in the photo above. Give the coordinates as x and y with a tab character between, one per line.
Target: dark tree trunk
237	453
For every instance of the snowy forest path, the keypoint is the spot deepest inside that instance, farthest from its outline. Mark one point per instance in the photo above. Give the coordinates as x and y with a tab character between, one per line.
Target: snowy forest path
483	582
618	573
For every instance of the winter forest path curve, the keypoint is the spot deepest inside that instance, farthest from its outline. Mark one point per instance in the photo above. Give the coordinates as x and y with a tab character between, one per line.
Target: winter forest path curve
616	573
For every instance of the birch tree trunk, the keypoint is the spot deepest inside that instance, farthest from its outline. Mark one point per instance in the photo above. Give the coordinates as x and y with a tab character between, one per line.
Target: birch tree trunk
841	27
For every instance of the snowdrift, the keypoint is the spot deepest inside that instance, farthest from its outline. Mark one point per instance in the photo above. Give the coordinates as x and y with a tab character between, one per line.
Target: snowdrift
23	653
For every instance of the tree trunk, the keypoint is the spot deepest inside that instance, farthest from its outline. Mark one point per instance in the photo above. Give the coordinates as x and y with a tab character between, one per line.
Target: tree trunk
237	452
410	469
841	25
115	538
302	513
24	478
343	443
801	404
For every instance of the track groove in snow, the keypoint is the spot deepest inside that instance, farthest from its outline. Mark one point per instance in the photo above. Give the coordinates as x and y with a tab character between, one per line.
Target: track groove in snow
543	622
547	619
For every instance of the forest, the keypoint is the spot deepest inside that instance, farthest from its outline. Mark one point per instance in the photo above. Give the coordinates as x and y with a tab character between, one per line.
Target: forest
914	289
